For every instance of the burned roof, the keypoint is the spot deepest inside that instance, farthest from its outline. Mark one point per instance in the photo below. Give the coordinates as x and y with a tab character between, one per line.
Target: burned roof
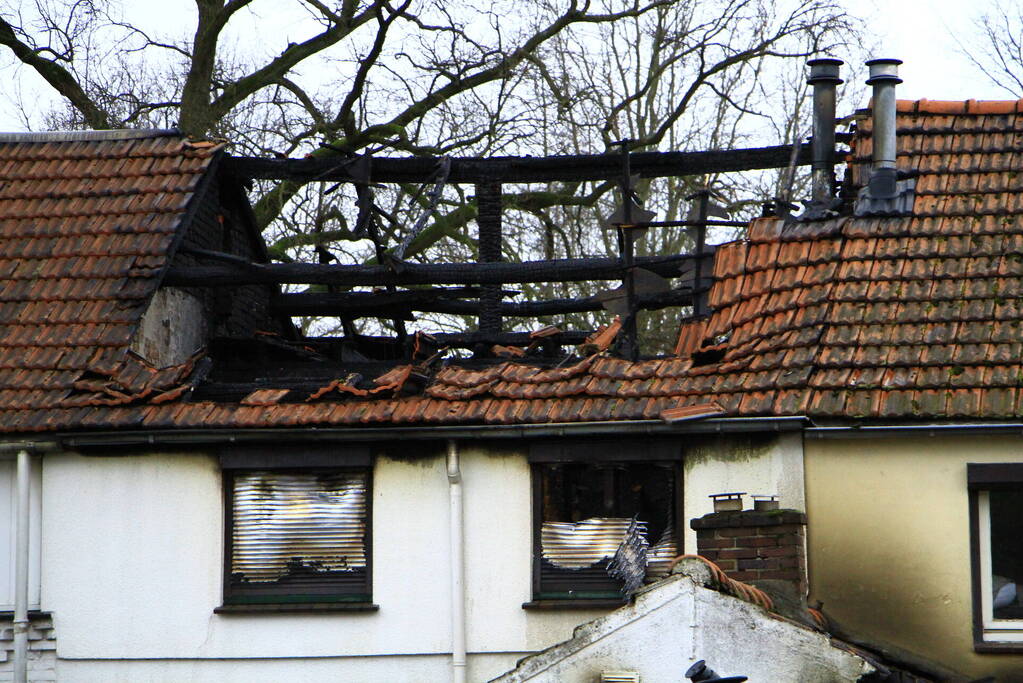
889	317
87	224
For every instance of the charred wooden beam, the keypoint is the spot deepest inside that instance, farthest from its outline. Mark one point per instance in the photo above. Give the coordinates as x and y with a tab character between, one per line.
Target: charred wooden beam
676	297
468	340
383	305
488	219
457	340
702	198
575	167
557	270
627	246
329	303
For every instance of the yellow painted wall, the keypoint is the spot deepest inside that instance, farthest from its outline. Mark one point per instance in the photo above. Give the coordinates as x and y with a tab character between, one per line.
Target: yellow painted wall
889	542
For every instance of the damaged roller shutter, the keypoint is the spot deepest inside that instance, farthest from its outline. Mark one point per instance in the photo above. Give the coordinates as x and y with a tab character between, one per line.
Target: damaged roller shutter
298	536
604	526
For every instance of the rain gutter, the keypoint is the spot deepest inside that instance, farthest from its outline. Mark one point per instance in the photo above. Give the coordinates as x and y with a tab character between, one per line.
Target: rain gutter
727	425
878	431
193	437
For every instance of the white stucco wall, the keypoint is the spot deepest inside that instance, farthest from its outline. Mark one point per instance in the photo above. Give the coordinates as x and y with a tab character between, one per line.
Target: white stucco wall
770	465
133	560
132	566
675	623
383	669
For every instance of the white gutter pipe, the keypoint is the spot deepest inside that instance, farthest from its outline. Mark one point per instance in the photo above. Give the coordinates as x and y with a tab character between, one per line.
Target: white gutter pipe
23	478
21	548
458	649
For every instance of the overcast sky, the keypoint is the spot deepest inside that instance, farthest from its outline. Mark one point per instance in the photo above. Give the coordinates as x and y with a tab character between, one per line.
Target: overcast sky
920	32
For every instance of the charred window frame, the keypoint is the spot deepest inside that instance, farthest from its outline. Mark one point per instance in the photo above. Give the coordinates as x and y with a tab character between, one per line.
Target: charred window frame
596	487
996	518
301	490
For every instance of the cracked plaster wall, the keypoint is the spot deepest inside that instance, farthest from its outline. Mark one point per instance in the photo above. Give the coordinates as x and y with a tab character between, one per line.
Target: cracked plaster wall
173	328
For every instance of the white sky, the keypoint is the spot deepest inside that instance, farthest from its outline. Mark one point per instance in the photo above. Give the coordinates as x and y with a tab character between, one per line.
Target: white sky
920	33
917	31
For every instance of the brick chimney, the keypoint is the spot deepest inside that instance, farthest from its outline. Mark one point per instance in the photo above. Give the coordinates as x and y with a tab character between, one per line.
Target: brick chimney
762	548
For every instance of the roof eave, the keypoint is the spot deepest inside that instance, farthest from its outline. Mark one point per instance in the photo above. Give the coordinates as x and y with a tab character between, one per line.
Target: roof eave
194	437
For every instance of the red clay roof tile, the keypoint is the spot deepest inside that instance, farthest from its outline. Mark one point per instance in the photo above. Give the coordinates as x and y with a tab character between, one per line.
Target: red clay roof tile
881	317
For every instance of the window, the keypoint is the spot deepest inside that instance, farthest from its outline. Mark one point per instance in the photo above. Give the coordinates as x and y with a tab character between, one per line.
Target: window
602	516
297	529
996	512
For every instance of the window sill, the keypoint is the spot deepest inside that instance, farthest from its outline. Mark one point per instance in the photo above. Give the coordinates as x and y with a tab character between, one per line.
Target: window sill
282	608
993	647
580	603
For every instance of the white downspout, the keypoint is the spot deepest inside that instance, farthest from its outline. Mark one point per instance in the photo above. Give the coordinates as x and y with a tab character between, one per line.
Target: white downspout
457	566
21	541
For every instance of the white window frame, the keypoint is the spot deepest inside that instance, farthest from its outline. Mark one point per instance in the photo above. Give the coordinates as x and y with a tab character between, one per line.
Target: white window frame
989	634
994	630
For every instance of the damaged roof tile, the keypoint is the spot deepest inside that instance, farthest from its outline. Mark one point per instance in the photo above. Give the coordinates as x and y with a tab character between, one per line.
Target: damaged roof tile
887	318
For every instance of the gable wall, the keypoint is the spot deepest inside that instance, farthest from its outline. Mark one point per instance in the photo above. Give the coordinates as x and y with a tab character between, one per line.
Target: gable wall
676	623
889	542
217	225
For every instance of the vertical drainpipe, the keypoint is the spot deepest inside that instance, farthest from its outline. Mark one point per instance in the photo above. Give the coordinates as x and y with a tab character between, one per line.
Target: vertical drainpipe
824	79
884	76
457	566
21	550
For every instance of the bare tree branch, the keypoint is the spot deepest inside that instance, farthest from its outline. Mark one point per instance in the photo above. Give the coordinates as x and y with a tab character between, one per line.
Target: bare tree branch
56	75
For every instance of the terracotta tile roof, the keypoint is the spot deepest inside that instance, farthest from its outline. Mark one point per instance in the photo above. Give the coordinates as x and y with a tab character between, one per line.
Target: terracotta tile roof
85	228
916	317
705	572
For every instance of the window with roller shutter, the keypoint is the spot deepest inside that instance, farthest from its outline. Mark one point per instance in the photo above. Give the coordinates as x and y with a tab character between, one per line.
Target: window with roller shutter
594	501
297	535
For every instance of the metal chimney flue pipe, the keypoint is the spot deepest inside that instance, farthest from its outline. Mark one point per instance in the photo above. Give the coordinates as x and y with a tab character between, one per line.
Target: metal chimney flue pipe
884	76
824	79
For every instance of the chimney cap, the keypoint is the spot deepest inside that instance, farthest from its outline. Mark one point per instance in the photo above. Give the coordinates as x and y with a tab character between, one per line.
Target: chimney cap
884	70
824	70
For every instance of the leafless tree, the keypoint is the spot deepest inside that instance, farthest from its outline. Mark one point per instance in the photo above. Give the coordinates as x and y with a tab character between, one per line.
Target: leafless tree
996	47
692	75
445	77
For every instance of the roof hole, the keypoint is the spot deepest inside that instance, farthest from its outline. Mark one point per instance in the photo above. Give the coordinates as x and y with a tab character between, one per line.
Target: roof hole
712	350
708	357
